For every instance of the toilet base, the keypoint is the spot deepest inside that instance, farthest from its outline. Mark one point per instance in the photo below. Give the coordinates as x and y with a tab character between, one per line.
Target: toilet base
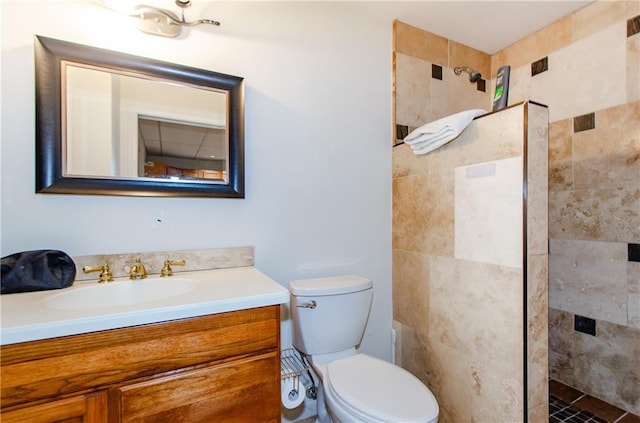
331	413
321	406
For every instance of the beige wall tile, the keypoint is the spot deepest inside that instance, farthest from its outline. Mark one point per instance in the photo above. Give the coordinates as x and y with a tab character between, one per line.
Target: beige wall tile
455	93
560	155
633	68
453	389
589	278
495	397
575	82
406	163
423	214
487	138
413	91
440	224
476	308
608	365
418	360
453	394
462	55
600	14
444	370
535	46
561	346
633	305
537	179
537	331
623	114
562	89
539	414
592	214
419	43
411	289
609	155
408	216
519	85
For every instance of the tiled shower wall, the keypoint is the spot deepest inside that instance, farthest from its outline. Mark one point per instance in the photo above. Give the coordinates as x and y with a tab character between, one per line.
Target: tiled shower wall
592	88
586	68
425	86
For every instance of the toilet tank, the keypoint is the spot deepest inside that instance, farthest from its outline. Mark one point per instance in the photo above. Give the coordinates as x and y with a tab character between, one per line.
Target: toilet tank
329	314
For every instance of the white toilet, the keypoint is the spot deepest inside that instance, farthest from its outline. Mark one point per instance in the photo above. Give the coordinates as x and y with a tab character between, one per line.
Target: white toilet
329	316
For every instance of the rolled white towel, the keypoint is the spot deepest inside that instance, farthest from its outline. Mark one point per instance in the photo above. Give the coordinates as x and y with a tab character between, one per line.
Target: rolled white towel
424	147
435	134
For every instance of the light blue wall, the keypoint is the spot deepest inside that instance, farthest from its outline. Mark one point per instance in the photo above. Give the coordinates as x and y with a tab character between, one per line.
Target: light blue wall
318	143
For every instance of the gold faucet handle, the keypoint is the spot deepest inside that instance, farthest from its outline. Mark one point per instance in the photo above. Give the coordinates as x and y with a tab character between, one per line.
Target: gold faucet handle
105	272
166	269
137	271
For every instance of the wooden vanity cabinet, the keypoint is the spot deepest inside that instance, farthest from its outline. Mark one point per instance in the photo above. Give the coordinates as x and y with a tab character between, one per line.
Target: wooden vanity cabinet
216	368
90	408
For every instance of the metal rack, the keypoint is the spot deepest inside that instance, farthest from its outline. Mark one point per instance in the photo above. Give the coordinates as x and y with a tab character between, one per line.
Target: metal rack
291	365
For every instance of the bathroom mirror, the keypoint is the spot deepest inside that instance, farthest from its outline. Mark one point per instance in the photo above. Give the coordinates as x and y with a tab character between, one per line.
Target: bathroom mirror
109	123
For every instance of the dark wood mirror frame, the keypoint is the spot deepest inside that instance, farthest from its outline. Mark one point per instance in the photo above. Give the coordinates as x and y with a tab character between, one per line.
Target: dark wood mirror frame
49	53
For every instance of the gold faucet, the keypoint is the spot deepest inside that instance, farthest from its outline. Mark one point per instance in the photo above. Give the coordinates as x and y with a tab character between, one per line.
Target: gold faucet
166	269
137	271
105	272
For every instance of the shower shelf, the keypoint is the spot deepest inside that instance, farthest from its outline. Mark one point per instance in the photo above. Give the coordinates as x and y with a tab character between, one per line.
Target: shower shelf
291	364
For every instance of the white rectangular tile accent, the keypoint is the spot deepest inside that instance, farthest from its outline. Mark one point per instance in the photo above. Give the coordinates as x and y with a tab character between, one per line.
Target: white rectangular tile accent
488	212
589	278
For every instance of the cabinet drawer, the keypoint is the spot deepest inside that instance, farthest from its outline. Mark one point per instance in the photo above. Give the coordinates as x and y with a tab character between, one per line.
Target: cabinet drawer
246	390
90	408
59	366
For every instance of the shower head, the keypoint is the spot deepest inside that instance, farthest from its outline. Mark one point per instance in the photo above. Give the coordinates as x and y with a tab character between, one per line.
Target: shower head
474	75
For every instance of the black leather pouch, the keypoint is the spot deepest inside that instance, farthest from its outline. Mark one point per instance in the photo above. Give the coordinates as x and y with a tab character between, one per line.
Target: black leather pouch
36	271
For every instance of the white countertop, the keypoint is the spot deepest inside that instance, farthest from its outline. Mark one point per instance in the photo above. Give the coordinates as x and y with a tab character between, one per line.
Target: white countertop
30	316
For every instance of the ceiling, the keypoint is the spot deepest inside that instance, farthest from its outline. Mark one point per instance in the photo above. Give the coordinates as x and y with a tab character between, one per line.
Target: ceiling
171	139
488	26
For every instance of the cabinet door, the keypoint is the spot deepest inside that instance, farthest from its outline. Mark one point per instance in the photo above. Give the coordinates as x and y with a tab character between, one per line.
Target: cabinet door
246	390
90	408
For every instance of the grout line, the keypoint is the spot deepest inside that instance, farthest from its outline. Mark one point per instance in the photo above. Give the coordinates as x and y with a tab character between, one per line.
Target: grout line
620	418
579	398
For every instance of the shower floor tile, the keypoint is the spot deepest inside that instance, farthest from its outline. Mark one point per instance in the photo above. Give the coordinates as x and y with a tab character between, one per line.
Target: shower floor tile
569	405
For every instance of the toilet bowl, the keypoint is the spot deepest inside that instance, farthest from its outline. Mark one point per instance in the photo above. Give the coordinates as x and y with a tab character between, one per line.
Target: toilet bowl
329	316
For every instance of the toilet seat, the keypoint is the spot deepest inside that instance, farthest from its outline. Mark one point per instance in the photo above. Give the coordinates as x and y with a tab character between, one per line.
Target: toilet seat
373	390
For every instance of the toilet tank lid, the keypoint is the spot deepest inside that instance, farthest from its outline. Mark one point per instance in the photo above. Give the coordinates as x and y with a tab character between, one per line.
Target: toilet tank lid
333	285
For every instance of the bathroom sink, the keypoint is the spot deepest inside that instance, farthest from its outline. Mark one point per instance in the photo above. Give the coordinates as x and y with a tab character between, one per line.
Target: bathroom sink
91	306
121	293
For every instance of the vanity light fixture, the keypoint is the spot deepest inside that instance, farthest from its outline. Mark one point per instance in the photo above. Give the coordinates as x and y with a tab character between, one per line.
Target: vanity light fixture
157	21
